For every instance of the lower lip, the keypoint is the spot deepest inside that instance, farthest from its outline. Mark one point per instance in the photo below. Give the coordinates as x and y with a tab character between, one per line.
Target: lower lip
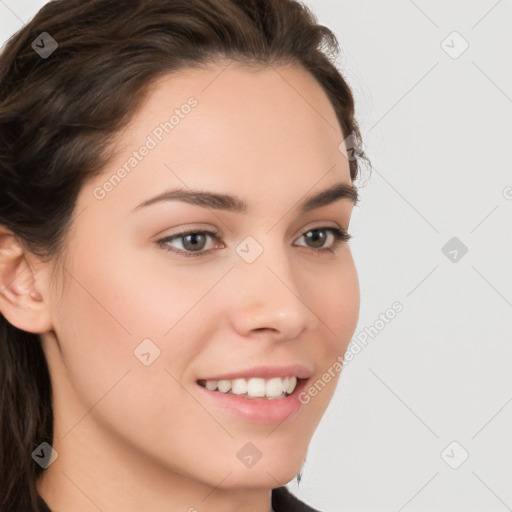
259	410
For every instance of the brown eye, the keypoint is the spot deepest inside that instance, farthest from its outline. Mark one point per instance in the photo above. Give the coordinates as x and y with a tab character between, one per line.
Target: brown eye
316	238
192	242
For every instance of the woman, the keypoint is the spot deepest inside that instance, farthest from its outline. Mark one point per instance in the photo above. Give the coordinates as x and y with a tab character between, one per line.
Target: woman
177	291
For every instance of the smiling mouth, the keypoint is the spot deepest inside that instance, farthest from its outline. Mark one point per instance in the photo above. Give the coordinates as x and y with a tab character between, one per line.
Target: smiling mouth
254	388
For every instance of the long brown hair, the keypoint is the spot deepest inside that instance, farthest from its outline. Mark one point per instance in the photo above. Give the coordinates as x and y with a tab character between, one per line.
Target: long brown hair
59	114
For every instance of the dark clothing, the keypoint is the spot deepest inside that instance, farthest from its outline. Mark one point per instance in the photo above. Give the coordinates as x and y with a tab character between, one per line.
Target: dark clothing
282	501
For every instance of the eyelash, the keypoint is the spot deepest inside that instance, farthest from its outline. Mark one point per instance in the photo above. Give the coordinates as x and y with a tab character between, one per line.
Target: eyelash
340	237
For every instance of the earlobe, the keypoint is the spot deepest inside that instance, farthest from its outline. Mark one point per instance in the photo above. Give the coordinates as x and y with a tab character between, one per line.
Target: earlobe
21	300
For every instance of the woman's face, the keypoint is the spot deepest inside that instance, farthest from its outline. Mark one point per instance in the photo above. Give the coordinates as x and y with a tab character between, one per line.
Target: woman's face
139	321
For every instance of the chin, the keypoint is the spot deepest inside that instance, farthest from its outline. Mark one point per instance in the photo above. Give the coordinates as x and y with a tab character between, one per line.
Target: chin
260	480
268	472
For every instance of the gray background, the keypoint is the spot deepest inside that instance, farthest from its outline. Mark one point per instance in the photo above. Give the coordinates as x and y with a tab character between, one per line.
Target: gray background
436	127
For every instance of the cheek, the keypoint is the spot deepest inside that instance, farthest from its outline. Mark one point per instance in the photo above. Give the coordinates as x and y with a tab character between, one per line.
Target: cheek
112	303
335	299
106	311
127	295
334	296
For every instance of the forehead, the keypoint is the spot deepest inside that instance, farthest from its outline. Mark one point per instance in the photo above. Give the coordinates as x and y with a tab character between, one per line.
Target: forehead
232	129
242	103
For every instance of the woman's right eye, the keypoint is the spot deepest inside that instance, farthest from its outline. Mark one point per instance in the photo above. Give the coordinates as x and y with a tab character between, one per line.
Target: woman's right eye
193	242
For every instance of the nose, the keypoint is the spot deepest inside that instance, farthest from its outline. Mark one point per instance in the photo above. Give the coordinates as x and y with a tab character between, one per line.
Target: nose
271	299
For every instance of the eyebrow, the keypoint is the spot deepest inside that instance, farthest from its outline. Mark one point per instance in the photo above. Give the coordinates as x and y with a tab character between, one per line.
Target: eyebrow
234	204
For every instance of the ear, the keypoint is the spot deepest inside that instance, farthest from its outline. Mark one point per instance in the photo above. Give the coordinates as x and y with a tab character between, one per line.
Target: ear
22	300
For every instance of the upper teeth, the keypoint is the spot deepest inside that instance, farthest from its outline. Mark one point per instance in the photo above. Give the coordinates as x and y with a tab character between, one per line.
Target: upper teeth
255	387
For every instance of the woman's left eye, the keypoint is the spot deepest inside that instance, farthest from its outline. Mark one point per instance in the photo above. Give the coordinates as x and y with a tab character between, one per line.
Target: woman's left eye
193	242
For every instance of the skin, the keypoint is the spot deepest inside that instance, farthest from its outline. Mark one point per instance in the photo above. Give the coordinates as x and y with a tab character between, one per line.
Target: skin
133	437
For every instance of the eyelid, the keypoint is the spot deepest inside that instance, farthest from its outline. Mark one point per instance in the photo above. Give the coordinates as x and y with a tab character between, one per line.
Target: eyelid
340	236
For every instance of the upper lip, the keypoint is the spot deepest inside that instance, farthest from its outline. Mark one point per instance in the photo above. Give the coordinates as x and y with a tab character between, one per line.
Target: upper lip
265	372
